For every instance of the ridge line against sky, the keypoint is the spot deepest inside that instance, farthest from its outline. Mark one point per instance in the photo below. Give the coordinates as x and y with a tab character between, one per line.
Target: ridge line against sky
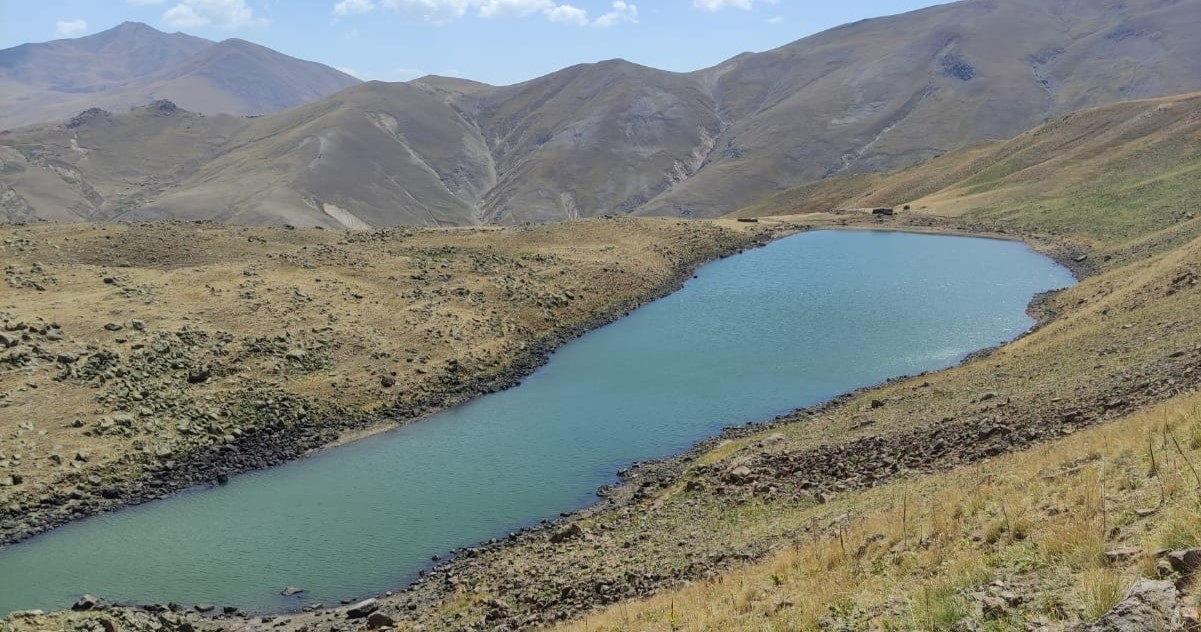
494	41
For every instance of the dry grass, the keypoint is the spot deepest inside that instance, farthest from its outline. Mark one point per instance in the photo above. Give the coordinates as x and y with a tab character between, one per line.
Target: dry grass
429	309
918	554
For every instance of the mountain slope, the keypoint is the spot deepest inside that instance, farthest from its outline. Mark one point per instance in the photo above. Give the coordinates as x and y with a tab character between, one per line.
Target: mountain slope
375	155
133	64
619	138
592	139
1112	173
888	92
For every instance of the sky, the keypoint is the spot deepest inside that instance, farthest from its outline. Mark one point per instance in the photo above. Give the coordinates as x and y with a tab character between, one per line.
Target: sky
494	41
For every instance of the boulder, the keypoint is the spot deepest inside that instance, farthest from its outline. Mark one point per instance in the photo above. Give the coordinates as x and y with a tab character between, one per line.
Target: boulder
994	608
86	602
740	475
1149	606
1123	555
572	532
199	375
379	620
362	609
288	591
1185	562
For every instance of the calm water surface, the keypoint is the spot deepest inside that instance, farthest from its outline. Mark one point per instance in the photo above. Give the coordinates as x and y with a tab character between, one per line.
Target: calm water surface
783	326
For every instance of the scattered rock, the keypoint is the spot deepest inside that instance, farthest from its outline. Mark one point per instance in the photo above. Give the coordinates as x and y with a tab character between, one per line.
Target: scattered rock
1123	555
199	375
205	607
1149	605
993	608
379	620
387	381
291	590
113	326
740	475
86	602
1185	562
572	532
362	609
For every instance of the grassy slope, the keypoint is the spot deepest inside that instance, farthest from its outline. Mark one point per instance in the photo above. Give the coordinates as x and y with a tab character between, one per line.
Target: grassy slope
1115	175
924	550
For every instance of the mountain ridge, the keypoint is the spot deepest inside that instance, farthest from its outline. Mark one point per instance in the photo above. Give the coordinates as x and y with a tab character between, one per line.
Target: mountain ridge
616	137
133	64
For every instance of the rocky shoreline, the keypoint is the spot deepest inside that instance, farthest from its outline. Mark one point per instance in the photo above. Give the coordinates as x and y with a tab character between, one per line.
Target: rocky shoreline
769	476
266	447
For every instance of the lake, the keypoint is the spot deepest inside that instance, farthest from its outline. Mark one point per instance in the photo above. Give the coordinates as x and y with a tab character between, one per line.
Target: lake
784	326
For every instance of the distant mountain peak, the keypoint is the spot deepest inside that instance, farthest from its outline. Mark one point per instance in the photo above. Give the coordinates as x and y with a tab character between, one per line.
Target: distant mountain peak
132	62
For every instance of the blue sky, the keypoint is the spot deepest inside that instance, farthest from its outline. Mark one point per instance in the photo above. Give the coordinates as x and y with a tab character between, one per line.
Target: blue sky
496	41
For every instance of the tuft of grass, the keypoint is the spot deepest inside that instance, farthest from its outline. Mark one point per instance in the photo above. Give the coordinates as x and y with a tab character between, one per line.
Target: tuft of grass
1181	529
1100	590
937	607
1079	544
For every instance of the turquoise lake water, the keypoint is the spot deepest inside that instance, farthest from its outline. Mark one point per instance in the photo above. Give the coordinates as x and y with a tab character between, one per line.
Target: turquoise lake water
787	325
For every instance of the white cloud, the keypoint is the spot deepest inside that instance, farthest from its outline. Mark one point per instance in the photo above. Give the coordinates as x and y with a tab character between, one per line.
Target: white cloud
436	11
779	19
569	14
445	11
718	5
353	7
510	8
622	12
348	70
230	14
143	3
70	28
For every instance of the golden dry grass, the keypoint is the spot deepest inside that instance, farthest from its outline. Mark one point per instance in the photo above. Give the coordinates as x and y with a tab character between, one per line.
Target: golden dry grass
917	554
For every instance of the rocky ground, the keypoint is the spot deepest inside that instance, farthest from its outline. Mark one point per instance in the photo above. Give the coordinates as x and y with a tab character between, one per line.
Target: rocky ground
1112	345
136	360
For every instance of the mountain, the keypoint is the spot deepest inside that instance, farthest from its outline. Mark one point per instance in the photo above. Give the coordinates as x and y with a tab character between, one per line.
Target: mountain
1127	174
133	64
617	137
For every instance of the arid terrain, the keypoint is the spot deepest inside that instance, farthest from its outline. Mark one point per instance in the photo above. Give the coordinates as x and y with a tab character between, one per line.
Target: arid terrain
1033	487
142	358
1052	483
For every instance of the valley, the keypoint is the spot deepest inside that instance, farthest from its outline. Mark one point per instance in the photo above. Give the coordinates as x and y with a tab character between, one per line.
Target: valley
226	313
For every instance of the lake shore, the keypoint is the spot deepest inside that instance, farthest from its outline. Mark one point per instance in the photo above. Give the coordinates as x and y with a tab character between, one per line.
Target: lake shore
666	474
260	442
